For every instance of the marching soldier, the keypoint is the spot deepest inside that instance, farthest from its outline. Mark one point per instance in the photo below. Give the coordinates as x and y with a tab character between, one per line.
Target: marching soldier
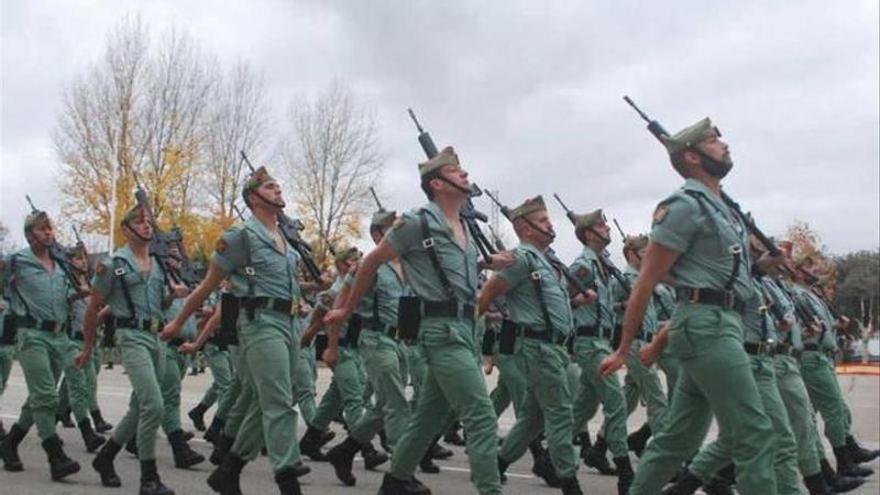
440	262
594	329
539	306
703	245
263	271
39	290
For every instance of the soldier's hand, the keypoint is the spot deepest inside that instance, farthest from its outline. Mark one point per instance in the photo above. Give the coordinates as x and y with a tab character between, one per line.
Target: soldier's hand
180	291
188	348
611	363
580	299
330	356
306	339
169	331
649	354
488	364
82	357
335	316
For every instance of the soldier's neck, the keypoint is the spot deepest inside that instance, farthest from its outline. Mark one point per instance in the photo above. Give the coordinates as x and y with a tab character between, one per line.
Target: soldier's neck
40	251
267	217
140	249
710	181
450	207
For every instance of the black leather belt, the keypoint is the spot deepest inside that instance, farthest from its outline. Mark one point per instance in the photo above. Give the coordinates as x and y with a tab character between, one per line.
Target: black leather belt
136	324
812	347
285	306
376	326
176	342
344	342
588	332
78	336
28	321
759	348
447	309
544	336
724	299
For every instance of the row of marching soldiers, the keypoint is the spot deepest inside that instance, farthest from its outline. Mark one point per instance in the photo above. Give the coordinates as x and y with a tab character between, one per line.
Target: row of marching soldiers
739	333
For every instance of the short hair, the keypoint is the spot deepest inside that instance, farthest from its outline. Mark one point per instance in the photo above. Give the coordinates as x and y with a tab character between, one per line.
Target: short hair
426	183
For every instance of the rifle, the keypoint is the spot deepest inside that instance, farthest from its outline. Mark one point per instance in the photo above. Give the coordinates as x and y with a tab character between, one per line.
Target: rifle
161	242
291	228
659	132
58	253
376	199
81	245
499	245
468	213
549	253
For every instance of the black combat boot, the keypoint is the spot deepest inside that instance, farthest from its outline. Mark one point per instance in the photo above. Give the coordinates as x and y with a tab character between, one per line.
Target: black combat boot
9	448
131	446
846	466
342	458
816	485
570	486
452	437
383	441
437	451
543	468
595	457
583	439
372	457
397	486
59	464
213	431
197	415
64	418
860	454
837	483
685	484
103	464
287	482
637	440
150	482
221	448
226	479
2	431
718	486
536	448
427	464
101	426
625	474
502	470
184	456
310	445
90	438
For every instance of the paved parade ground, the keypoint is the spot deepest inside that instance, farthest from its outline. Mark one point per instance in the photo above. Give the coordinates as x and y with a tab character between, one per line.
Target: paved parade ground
862	393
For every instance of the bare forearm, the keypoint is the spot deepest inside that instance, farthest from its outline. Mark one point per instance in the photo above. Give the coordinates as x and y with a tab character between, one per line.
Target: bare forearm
90	320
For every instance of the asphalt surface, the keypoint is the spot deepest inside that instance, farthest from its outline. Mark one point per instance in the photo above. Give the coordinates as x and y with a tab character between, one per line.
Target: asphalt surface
862	393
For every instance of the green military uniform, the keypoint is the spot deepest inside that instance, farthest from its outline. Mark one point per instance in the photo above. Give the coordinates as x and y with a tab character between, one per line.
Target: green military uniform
220	362
594	328
7	351
538	304
760	339
453	381
305	375
265	279
641	382
143	354
706	335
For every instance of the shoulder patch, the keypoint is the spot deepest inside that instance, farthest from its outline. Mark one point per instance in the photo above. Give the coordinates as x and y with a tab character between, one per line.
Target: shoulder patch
100	268
660	213
583	272
221	246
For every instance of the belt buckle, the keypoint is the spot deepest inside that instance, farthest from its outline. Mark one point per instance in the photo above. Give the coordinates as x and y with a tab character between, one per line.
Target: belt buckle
294	306
695	296
154	326
729	299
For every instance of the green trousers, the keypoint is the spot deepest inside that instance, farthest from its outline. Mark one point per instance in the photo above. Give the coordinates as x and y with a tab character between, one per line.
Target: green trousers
220	363
75	389
453	384
511	385
818	373
383	363
417	367
175	370
800	413
345	393
242	400
595	390
228	397
716	455
7	354
304	376
642	383
717	380
546	406
143	356
42	356
672	369
269	352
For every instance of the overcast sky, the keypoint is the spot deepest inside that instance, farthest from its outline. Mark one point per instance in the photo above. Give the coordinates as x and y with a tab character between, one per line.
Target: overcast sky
528	92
